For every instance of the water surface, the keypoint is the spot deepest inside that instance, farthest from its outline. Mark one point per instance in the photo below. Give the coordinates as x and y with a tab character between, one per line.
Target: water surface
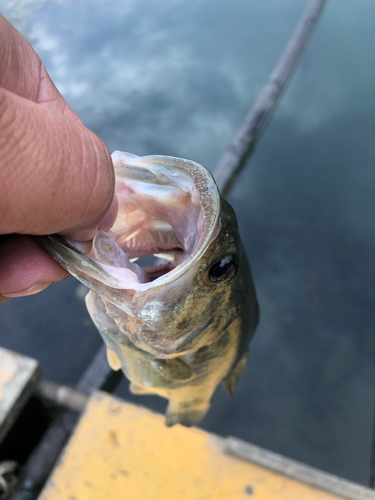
176	77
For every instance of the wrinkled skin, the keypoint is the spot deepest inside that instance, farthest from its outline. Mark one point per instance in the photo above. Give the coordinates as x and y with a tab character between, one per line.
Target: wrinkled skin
179	329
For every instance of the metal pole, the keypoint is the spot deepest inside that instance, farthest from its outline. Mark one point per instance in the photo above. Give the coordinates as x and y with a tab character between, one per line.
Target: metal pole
300	472
61	395
243	143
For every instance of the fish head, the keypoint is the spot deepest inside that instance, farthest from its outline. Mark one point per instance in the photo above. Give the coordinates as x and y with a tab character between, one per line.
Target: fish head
170	208
196	308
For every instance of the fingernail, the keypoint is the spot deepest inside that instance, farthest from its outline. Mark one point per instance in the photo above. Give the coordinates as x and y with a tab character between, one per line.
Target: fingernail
109	219
38	287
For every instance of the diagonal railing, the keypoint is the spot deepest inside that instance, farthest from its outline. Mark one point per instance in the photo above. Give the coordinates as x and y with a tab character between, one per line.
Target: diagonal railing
243	143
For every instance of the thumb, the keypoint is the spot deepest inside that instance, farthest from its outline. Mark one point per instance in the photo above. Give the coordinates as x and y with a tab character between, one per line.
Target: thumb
55	174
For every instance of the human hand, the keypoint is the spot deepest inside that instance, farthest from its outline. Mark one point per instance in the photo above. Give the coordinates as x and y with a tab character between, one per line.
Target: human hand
56	176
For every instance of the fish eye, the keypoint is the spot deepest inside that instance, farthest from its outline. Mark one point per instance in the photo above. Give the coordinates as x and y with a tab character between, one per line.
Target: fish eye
224	269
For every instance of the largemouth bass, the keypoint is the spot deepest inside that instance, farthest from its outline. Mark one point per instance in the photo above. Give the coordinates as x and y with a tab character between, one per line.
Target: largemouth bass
180	327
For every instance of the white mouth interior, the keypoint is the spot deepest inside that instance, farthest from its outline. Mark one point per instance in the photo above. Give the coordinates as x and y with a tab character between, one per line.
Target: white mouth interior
163	212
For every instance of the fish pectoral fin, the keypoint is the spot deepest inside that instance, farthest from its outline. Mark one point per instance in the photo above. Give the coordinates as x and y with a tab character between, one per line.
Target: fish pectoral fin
230	380
174	369
113	360
139	389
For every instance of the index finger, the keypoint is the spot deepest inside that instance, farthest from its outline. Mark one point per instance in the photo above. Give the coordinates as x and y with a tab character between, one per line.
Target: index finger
56	175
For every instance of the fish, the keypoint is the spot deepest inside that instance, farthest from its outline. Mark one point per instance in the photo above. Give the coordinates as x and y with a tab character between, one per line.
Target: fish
181	323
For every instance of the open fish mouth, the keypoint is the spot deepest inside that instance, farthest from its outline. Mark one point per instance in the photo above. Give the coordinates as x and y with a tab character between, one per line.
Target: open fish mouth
161	213
151	250
150	243
168	215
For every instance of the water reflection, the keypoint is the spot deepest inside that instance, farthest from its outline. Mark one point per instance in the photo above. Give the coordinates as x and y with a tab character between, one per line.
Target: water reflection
176	77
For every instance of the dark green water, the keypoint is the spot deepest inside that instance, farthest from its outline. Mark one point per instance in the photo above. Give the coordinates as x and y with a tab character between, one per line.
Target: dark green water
176	78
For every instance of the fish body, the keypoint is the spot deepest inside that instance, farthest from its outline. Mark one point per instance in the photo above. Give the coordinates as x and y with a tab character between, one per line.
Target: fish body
178	328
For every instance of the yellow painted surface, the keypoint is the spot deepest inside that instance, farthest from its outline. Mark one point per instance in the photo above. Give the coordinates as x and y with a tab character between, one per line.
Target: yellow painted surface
123	452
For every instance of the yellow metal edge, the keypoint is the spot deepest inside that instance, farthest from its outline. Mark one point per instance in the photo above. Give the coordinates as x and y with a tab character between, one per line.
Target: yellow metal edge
297	470
120	451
